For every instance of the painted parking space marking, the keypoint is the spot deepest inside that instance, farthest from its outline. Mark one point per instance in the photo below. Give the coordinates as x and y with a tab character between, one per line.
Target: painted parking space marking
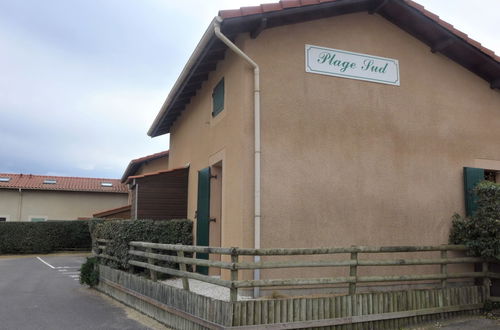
70	271
45	262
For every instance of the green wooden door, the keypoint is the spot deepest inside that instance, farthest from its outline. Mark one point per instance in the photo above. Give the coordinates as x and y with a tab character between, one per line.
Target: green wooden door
203	215
472	176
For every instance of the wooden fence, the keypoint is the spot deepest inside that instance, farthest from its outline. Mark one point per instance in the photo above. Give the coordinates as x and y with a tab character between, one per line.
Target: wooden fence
146	255
183	309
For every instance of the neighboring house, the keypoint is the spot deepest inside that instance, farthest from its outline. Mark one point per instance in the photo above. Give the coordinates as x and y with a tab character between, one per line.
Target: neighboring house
147	164
154	191
27	197
366	124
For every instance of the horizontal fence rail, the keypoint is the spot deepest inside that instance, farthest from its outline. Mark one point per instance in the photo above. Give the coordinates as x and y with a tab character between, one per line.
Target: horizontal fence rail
148	255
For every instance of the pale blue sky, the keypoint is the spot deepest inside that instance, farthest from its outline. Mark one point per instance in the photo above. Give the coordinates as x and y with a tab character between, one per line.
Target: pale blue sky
82	80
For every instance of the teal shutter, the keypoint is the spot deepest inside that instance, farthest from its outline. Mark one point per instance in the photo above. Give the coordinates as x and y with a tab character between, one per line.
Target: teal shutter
203	215
472	176
218	98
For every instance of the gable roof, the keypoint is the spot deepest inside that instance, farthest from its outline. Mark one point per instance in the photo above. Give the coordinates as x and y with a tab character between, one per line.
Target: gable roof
61	183
134	164
406	14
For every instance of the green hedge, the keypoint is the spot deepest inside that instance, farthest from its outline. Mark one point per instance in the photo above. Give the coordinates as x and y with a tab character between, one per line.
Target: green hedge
122	232
44	237
481	232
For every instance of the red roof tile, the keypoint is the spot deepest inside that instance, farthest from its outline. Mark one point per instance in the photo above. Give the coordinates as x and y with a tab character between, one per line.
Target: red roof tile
62	183
267	7
284	4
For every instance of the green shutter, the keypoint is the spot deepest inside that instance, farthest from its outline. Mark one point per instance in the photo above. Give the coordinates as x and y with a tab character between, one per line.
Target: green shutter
218	98
203	215
472	176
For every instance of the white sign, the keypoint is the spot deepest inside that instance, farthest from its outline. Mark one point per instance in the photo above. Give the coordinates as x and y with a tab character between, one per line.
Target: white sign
341	63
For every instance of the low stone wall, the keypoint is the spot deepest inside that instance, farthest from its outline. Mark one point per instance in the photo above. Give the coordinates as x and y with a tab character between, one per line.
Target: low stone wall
182	309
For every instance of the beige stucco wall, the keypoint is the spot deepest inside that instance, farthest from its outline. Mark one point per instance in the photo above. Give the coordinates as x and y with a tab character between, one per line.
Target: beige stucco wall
155	165
352	162
199	140
56	205
344	161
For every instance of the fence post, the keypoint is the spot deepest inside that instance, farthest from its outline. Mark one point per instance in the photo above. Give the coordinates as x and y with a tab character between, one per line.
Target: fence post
233	294
353	270
486	281
444	269
130	267
151	261
182	267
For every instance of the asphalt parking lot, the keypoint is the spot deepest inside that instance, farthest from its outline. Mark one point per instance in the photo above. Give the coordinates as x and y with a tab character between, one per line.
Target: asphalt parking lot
43	292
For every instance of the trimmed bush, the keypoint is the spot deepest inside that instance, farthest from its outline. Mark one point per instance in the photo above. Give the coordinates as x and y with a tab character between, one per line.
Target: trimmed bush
122	232
44	237
89	272
481	232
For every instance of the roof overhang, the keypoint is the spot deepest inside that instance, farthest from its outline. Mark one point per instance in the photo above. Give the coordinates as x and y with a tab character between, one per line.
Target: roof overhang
408	15
130	179
134	164
114	211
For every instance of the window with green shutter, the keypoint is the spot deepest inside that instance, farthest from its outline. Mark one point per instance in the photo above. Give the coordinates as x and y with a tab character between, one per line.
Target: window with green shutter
472	176
218	98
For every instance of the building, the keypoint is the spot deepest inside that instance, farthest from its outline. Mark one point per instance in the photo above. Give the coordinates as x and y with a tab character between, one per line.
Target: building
27	197
331	123
147	164
155	192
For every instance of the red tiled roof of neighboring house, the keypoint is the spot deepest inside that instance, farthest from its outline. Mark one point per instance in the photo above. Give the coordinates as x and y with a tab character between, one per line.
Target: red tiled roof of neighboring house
285	4
153	173
136	163
112	211
60	183
408	15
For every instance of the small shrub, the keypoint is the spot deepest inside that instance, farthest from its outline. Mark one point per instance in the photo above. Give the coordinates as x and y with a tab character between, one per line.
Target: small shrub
89	272
481	232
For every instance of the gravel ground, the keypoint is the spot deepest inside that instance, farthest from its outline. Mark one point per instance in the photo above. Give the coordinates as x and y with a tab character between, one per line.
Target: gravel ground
205	289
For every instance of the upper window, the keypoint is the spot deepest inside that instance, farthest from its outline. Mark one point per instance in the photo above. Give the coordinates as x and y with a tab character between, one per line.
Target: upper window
218	98
3	219
4	179
49	181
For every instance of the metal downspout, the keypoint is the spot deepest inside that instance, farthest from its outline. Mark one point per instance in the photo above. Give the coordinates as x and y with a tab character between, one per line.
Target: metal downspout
257	210
136	187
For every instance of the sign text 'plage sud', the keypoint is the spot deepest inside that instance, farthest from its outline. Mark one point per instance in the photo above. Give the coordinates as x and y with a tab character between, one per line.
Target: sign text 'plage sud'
341	63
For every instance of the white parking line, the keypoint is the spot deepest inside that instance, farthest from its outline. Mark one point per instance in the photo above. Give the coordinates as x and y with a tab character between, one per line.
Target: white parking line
73	276
45	262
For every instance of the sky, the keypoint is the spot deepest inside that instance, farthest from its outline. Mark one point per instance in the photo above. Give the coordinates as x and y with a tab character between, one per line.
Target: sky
81	81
